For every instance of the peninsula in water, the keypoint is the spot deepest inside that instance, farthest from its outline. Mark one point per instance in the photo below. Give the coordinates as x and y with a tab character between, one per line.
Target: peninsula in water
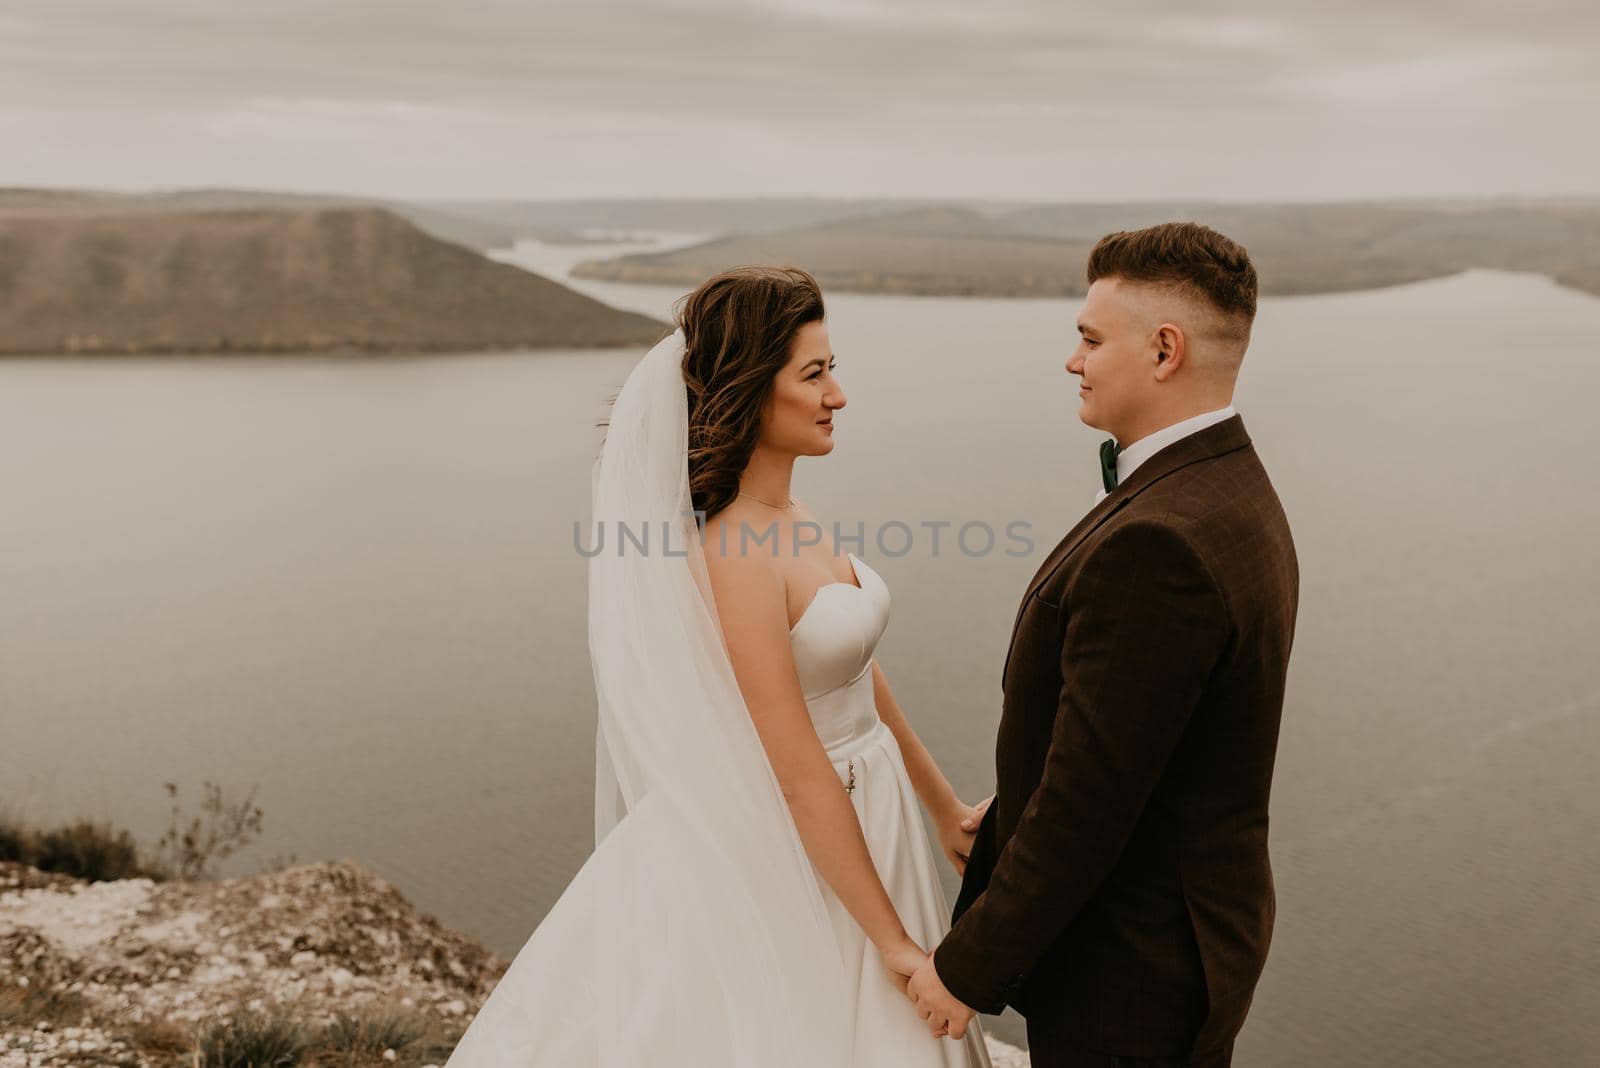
92	273
1039	250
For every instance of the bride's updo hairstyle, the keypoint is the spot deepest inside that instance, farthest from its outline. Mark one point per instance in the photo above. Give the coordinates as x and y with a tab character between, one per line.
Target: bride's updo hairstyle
737	329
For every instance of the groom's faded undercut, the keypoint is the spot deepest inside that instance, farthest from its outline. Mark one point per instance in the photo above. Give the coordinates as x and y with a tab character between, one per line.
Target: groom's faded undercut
1194	259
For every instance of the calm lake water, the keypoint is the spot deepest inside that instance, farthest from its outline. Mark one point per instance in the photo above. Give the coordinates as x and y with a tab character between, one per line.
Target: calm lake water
353	582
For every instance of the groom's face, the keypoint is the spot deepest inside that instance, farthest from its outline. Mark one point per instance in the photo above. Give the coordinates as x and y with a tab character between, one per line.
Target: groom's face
1115	356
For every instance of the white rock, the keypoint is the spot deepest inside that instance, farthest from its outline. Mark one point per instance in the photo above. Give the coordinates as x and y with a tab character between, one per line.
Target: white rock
79	918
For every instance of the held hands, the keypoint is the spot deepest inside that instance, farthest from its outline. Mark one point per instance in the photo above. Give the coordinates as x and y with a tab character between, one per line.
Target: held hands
957	828
912	968
903	959
945	1015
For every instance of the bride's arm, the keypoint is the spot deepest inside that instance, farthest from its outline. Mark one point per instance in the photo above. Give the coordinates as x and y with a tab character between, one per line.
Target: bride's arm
949	812
752	607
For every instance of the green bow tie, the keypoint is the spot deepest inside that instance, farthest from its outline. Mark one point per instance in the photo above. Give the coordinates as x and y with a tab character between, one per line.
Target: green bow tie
1108	463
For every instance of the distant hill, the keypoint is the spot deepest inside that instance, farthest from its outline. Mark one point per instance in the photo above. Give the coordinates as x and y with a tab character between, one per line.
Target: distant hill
301	280
475	232
1040	250
535	218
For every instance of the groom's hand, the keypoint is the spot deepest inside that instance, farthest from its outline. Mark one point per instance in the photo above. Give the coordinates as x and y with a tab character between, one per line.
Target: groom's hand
944	1014
957	829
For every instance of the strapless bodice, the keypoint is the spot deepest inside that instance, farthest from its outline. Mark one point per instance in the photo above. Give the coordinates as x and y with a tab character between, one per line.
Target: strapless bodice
833	643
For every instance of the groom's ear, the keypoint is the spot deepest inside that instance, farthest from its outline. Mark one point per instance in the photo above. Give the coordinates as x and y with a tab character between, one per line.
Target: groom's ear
1170	350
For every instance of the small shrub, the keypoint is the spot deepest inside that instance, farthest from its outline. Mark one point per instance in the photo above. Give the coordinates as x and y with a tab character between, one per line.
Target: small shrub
88	850
372	1031
225	827
253	1040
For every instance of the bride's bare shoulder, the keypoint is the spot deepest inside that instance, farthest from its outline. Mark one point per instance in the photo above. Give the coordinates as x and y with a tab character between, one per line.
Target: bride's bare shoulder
733	561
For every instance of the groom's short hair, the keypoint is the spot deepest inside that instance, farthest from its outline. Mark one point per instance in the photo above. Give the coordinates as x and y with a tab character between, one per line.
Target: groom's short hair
1191	258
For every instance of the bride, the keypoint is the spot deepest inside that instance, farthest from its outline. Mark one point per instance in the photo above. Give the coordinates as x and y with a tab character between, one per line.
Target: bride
761	885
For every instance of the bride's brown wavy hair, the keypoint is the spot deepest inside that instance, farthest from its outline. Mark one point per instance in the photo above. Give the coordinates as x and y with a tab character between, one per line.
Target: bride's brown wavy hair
737	329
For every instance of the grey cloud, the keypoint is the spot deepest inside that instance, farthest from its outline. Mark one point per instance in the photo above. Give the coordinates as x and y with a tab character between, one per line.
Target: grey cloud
828	96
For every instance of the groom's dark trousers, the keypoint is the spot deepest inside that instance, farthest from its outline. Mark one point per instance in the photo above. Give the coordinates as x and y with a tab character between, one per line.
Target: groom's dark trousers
1119	894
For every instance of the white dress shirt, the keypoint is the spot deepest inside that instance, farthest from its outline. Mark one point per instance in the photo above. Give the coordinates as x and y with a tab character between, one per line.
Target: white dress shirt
1129	459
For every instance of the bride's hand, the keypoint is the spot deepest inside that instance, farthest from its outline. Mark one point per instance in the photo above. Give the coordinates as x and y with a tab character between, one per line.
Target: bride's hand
957	828
903	959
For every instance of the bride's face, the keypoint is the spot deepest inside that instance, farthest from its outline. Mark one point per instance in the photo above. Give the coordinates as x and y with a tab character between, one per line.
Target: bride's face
798	418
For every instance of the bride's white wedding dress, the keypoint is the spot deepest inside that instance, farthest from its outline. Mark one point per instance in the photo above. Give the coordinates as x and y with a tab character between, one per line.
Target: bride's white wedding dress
833	643
698	934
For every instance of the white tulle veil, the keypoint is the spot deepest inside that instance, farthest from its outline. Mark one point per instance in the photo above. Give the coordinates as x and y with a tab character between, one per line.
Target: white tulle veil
695	936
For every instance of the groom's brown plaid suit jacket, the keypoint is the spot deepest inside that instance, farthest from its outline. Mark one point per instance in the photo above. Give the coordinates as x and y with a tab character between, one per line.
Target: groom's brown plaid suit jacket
1119	893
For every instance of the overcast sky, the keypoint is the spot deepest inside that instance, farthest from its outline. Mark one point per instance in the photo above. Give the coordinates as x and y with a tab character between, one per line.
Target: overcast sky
1259	99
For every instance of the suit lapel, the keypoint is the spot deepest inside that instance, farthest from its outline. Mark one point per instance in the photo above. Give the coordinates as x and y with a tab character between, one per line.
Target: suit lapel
1215	440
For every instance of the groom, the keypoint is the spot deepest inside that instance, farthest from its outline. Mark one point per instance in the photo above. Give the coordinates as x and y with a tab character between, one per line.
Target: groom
1118	893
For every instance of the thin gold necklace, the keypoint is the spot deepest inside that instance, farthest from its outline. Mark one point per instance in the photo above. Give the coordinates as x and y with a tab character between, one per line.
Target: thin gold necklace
769	504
